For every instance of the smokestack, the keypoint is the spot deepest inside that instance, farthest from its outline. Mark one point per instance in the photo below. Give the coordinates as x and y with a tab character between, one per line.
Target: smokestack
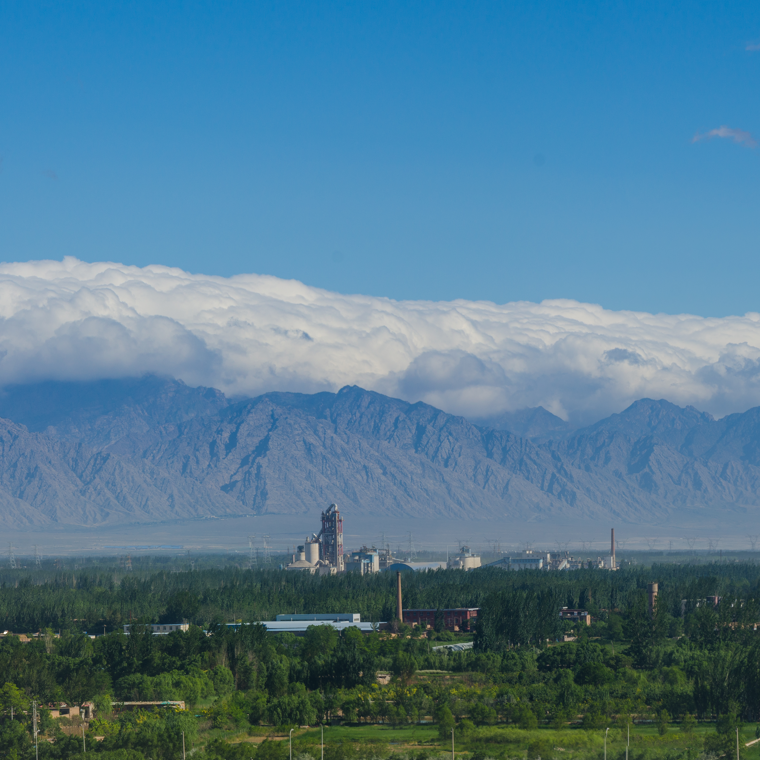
612	549
400	609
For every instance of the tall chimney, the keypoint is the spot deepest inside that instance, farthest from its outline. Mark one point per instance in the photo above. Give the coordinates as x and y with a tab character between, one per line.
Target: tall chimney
652	591
399	606
612	549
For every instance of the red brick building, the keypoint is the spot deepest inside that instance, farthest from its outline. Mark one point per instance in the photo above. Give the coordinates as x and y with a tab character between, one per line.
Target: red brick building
460	619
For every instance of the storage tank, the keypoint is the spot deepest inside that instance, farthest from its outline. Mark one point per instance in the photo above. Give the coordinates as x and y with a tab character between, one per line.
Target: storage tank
470	561
465	560
300	554
312	551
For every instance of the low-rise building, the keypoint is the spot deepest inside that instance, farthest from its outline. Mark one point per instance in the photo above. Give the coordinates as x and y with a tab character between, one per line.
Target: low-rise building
575	616
161	629
298	624
364	561
333	617
527	563
459	619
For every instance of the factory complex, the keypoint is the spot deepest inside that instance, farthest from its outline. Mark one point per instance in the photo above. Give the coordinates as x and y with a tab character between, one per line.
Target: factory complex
533	560
322	554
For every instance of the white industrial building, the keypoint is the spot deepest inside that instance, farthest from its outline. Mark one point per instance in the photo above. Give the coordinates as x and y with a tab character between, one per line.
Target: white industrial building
464	560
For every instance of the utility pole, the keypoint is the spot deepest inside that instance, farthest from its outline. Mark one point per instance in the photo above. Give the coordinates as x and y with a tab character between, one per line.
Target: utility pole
34	730
290	739
605	743
737	743
183	745
84	745
452	744
323	741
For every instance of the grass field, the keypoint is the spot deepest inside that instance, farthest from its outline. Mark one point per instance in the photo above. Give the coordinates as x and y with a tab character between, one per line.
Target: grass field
420	741
405	735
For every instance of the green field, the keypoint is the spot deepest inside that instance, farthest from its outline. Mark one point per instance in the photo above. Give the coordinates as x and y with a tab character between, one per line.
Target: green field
418	741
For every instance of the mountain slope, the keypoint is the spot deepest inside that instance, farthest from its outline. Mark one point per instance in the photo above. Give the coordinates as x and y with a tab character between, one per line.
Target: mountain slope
154	449
535	423
289	453
45	480
102	412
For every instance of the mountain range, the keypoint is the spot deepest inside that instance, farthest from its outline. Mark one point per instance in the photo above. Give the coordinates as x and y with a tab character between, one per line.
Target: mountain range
153	449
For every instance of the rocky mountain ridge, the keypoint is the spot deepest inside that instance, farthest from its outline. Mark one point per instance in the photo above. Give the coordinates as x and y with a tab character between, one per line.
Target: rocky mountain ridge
150	449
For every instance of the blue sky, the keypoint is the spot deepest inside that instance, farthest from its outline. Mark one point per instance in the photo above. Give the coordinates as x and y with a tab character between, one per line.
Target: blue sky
497	151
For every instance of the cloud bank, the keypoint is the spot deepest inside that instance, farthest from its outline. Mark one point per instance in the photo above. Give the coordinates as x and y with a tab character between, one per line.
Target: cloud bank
250	334
738	136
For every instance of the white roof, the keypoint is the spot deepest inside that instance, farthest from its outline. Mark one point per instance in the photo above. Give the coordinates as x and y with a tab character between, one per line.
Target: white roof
300	626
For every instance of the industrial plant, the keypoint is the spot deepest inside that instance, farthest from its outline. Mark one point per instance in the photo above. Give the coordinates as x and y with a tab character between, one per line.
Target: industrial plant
322	554
535	560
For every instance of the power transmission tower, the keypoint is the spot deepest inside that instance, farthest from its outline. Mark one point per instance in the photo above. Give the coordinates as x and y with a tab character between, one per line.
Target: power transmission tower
267	548
713	544
128	563
411	547
37	558
11	556
252	560
651	543
691	540
752	541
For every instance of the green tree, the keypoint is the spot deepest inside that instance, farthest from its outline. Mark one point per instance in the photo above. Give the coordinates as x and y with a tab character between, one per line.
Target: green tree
12	699
445	721
223	680
14	740
404	666
524	717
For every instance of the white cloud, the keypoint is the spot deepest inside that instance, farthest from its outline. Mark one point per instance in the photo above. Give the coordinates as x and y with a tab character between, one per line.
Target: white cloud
250	334
738	136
